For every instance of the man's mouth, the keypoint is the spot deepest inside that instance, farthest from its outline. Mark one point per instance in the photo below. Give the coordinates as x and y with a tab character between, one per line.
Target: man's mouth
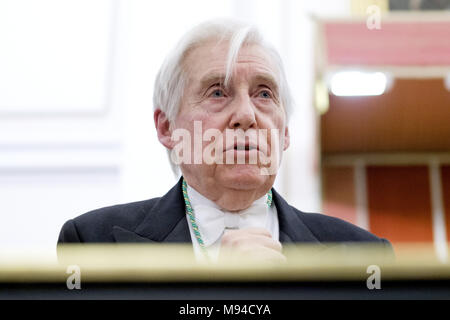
245	147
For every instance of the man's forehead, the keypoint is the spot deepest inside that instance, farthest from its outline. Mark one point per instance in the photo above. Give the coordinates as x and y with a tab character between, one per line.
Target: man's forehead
207	63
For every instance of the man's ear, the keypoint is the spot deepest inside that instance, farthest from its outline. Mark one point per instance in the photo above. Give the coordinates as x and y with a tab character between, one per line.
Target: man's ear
162	125
287	138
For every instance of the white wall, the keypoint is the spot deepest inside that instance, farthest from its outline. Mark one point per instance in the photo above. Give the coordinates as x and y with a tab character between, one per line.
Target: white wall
76	124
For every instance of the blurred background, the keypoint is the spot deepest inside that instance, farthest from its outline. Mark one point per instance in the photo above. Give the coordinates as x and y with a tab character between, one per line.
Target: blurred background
370	135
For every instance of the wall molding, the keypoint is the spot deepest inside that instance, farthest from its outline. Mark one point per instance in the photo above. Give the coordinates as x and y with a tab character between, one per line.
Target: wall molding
385	159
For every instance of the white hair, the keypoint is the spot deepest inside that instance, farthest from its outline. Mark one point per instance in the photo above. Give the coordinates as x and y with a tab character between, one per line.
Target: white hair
171	79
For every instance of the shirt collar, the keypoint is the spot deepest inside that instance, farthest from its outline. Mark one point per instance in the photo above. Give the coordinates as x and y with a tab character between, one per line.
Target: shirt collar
196	198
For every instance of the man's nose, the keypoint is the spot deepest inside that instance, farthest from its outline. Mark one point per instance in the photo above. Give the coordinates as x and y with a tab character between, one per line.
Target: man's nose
243	116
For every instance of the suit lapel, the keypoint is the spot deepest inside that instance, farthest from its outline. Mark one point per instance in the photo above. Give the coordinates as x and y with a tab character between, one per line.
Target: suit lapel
165	222
292	228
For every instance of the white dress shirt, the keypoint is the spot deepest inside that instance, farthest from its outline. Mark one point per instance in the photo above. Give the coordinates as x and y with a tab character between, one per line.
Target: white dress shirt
212	221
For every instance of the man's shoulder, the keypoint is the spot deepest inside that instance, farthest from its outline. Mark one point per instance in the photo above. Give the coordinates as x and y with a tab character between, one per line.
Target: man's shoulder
331	229
125	214
96	225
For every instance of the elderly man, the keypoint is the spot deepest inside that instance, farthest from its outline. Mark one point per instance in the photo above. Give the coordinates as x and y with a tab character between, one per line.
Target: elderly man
221	108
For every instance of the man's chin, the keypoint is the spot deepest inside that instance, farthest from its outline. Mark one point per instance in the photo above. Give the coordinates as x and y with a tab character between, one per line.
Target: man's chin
243	176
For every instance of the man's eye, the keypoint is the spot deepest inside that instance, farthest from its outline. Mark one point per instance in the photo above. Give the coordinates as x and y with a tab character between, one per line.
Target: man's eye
265	94
217	93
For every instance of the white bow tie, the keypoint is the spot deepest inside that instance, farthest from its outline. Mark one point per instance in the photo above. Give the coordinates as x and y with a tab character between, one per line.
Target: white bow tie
212	222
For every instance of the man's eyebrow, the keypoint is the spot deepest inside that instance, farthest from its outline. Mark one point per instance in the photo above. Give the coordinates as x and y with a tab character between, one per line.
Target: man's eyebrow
214	78
210	79
267	79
